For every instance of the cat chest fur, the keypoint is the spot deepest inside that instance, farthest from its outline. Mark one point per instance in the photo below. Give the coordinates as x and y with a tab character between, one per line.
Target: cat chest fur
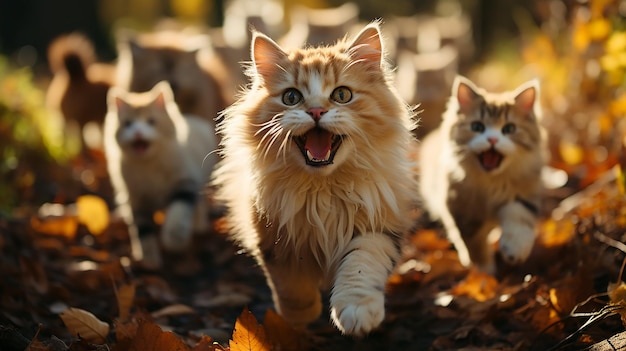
316	224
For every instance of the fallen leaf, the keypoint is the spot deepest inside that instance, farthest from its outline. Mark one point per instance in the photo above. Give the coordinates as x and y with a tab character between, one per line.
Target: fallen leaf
151	337
248	335
478	285
125	297
93	212
282	335
59	226
85	325
173	310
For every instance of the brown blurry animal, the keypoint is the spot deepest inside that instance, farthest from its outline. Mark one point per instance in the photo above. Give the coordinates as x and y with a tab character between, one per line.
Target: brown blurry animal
197	76
80	84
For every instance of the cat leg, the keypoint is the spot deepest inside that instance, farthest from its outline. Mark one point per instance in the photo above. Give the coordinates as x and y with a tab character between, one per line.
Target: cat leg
357	298
177	230
145	248
518	232
478	246
295	292
200	219
454	235
176	233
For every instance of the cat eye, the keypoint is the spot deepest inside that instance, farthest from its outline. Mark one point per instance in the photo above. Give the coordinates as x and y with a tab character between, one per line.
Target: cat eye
291	97
477	127
508	128
341	95
151	121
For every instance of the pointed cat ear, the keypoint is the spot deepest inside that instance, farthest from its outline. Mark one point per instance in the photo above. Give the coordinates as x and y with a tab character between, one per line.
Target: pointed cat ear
164	94
465	93
266	55
526	95
368	45
115	99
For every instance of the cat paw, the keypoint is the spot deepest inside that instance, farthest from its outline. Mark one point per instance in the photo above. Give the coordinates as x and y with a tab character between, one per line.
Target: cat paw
516	244
358	318
176	233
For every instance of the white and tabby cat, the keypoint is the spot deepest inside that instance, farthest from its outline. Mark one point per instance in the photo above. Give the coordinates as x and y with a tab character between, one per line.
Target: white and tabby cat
316	176
481	170
157	160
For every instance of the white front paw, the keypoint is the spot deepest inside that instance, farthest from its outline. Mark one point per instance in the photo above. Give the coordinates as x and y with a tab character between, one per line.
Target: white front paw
176	233
357	314
516	243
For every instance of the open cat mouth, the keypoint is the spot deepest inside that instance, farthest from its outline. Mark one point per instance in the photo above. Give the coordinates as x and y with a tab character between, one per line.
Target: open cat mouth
318	146
139	145
490	159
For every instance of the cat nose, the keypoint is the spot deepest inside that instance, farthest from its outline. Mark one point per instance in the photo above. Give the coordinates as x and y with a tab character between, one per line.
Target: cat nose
316	113
492	140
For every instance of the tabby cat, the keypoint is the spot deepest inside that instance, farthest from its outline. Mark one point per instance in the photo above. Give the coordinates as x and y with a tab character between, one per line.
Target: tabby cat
481	170
157	160
316	176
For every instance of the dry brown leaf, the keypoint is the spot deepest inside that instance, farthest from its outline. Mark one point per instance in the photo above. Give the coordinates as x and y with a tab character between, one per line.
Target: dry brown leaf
125	297
85	325
37	345
173	310
429	240
151	337
281	335
248	335
125	331
93	212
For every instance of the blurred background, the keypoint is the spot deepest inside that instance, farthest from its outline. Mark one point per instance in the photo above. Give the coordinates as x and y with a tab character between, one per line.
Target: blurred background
576	48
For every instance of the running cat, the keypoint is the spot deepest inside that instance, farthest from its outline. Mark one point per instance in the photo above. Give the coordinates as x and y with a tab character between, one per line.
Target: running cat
157	160
316	176
481	169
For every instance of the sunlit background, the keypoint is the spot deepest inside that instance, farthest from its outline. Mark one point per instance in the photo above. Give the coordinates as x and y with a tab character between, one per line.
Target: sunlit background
577	49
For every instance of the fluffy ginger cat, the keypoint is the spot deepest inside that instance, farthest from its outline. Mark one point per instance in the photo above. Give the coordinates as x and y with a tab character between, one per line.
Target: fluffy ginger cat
481	170
316	177
157	160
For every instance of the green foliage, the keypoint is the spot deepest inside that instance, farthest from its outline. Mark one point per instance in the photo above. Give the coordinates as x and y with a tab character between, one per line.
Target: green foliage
31	137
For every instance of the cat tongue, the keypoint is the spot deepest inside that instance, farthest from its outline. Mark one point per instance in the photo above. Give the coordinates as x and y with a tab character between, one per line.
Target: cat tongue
318	143
490	159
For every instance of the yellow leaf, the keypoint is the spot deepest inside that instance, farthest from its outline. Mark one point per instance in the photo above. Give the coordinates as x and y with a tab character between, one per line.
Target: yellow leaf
93	213
571	152
61	226
85	325
248	334
478	285
599	29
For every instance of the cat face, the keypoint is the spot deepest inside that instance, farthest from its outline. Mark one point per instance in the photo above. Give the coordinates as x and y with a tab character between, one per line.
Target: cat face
495	129
321	107
143	120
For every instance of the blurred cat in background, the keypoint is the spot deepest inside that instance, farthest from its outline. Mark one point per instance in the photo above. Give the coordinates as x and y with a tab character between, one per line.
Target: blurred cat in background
317	178
187	61
158	159
79	85
481	169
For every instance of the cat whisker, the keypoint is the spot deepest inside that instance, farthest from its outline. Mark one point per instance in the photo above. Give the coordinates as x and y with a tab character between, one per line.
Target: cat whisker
282	149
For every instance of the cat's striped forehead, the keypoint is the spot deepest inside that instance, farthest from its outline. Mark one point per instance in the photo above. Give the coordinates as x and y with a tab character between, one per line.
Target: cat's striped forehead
494	111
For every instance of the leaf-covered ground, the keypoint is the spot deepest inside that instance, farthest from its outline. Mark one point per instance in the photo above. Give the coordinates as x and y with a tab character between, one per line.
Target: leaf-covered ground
59	259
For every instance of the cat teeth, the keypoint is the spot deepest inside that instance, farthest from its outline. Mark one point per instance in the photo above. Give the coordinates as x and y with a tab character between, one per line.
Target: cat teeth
313	159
